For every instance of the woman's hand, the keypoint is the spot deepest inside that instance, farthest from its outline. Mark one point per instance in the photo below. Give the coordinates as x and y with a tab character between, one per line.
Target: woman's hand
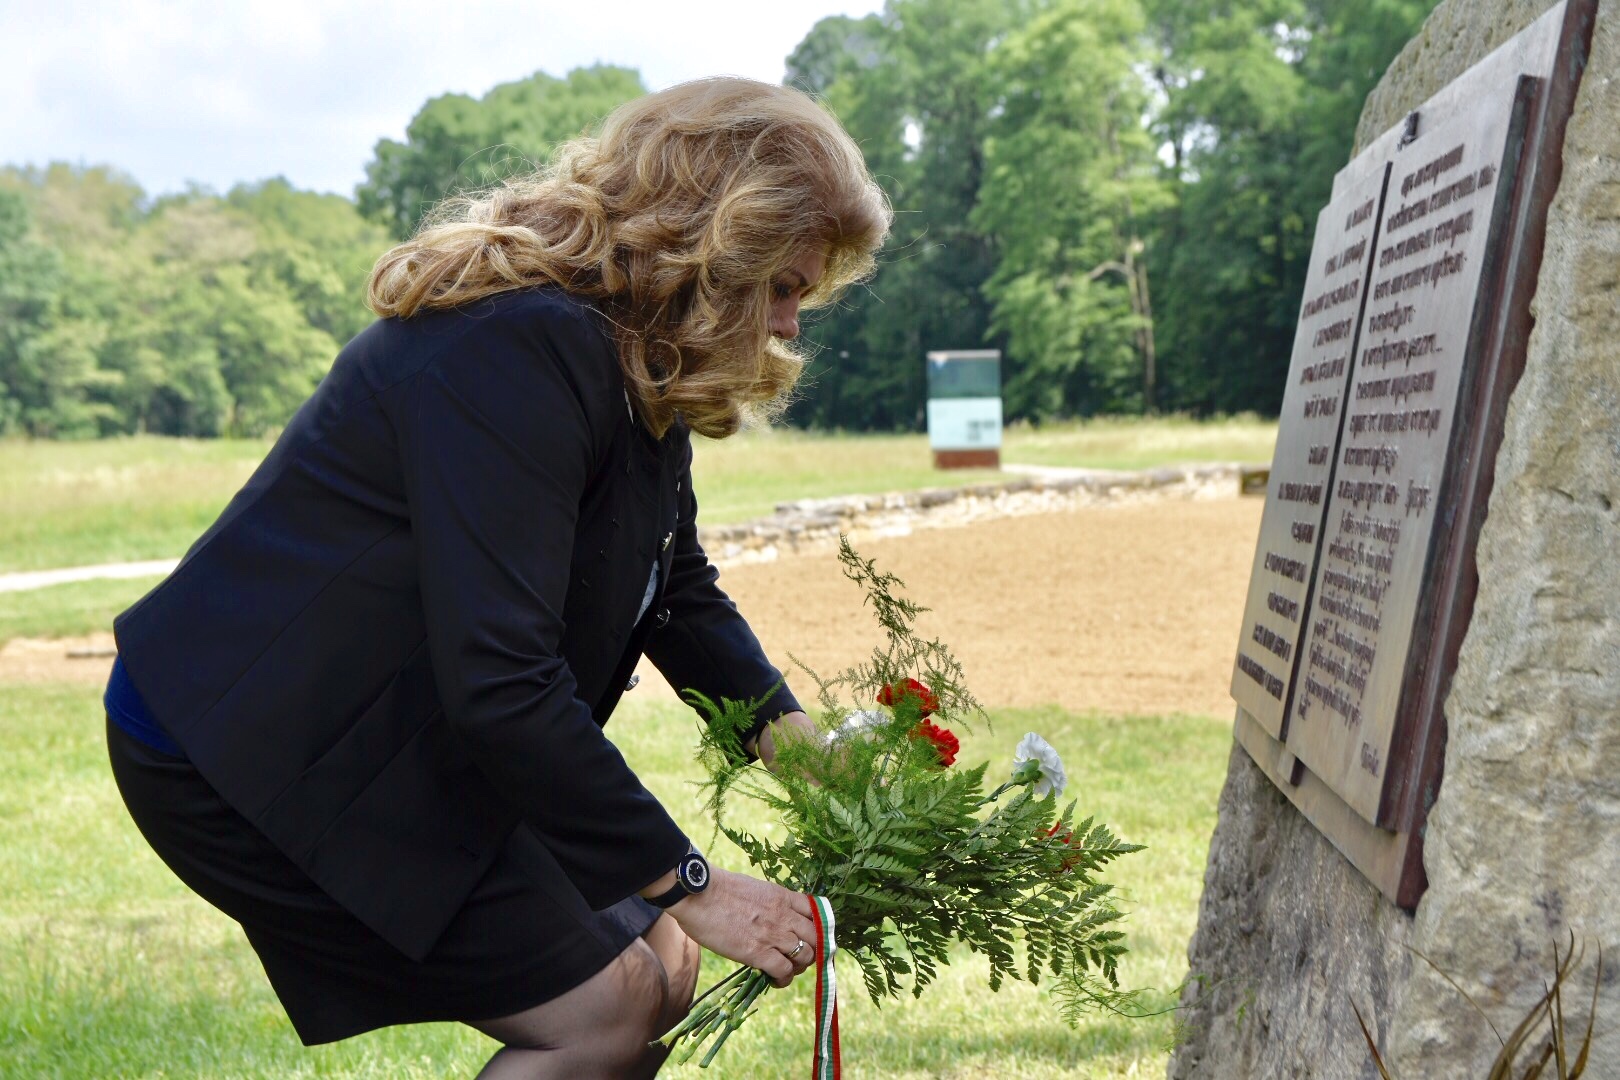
752	922
790	728
787	728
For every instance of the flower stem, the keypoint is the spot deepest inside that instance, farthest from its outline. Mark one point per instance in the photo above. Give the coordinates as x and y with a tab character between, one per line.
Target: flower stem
697	1015
736	973
755	987
694	1038
718	1018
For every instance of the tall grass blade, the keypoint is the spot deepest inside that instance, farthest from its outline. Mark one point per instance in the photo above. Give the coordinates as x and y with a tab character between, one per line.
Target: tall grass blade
1378	1059
1591	1020
1466	996
1550	1006
1558	1009
1502	1067
1533	1070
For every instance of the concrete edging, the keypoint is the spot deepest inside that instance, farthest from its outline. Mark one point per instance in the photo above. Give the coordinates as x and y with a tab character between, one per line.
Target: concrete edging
817	523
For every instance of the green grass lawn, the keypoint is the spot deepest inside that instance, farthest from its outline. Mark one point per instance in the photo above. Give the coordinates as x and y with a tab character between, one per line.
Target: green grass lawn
110	968
116	500
113	500
1125	442
79	607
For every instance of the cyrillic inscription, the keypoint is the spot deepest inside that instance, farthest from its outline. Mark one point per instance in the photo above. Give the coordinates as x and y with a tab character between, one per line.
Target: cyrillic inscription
1399	407
1314	407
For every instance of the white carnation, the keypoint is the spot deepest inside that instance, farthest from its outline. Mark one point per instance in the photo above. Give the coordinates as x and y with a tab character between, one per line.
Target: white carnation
859	723
1034	748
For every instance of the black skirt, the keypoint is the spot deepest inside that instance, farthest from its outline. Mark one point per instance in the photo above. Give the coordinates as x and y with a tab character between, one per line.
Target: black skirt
524	936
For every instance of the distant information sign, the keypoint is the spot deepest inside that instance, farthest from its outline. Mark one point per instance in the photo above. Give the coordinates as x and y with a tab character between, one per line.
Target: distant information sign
964	400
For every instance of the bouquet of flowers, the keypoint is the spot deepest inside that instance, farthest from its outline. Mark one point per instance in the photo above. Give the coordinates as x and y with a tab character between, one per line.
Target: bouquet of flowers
909	850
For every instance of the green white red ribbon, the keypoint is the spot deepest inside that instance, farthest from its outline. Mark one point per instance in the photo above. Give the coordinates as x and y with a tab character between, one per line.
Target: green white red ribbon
827	1064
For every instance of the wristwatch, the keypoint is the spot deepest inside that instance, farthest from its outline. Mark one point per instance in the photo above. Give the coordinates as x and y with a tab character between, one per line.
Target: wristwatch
691	878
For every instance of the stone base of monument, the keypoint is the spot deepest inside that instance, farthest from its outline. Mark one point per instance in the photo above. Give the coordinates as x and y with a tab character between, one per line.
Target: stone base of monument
967	459
1428	679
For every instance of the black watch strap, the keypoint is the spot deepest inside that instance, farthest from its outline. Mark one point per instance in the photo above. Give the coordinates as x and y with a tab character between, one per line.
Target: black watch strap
691	877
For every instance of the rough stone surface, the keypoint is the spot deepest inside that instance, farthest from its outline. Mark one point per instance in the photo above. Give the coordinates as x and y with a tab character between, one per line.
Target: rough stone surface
1522	848
1458	35
1524	842
1274	978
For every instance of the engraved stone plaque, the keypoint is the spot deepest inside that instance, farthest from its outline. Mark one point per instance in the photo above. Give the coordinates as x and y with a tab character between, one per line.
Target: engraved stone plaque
1313	407
1401	414
1411	335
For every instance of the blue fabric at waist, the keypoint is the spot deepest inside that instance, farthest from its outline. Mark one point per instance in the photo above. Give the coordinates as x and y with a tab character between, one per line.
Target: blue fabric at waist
129	712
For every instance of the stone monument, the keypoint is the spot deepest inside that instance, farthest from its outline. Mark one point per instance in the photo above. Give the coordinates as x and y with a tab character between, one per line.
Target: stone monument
1428	682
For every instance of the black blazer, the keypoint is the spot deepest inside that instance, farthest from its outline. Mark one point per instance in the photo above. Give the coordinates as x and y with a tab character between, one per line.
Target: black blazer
403	636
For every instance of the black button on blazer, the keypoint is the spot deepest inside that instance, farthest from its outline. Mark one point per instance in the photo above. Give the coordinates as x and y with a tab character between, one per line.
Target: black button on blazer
403	636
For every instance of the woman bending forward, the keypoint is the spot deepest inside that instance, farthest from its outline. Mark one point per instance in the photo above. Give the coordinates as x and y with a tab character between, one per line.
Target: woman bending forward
364	715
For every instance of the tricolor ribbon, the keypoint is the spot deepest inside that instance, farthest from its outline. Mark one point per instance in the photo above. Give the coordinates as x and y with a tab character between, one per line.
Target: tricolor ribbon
827	1064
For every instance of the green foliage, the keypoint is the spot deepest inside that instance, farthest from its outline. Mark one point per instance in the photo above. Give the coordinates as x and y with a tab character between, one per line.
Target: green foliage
917	93
458	143
190	315
1261	100
1071	180
914	856
1096	187
47	363
317	248
203	315
1118	194
834	46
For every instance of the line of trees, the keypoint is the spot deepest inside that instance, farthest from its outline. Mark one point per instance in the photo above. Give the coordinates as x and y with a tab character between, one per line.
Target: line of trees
1118	194
195	314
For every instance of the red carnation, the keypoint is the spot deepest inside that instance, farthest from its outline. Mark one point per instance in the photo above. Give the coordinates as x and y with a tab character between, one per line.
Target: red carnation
944	742
899	691
1065	837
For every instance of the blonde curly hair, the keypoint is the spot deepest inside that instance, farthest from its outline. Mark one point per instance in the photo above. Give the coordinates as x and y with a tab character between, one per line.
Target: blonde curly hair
677	217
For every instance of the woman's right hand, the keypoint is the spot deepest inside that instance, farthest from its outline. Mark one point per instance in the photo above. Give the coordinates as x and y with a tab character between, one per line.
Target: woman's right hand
752	922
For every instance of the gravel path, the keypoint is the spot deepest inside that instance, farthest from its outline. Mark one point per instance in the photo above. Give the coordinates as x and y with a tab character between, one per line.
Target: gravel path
1130	608
39	579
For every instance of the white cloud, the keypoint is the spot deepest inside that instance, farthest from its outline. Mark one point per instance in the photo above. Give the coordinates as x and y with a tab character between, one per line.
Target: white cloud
180	90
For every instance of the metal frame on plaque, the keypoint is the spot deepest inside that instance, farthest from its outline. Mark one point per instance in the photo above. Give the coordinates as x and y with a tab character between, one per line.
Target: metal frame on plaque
1411	336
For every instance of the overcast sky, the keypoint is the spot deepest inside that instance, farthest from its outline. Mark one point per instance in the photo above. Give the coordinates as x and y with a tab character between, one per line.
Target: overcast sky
217	92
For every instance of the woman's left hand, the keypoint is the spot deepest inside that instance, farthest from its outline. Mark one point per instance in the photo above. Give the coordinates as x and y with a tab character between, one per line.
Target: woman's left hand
792	729
785	729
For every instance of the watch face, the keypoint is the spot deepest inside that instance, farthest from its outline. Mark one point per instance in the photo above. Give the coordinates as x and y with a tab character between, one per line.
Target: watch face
694	872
